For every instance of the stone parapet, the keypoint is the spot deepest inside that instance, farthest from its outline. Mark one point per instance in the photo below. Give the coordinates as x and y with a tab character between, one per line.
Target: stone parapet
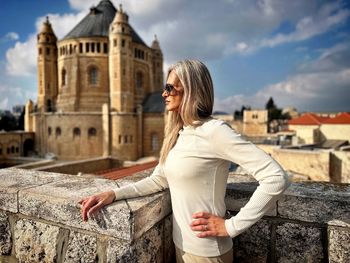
310	223
40	221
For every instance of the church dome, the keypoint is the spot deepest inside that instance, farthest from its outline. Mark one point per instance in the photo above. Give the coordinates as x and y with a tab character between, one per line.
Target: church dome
97	22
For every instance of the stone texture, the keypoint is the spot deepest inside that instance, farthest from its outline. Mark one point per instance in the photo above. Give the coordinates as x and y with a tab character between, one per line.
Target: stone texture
169	248
14	180
253	245
58	202
148	210
146	249
81	248
35	241
121	252
5	234
149	248
316	202
339	245
297	243
239	193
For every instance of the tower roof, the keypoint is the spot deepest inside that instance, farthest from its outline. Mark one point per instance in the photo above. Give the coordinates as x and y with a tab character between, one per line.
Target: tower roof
96	23
153	103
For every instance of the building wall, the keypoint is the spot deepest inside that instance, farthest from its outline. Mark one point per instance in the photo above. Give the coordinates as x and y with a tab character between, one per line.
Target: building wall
153	131
336	131
314	164
124	136
255	122
306	134
341	160
59	134
12	143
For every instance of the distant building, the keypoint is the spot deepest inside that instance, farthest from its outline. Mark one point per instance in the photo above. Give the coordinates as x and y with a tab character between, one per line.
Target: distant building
255	122
99	90
312	129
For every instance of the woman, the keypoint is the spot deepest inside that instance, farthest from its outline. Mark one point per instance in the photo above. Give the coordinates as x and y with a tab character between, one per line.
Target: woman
194	162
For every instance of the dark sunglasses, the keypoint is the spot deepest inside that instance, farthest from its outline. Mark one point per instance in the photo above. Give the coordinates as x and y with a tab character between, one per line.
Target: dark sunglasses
170	90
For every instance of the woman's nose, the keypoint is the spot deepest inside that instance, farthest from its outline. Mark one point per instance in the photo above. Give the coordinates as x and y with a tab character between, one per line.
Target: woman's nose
164	94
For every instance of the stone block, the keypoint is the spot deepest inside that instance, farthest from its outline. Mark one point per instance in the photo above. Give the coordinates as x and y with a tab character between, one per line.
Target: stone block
13	180
149	247
338	245
254	244
5	234
58	202
238	194
121	252
316	202
146	249
35	241
298	243
148	210
169	247
81	248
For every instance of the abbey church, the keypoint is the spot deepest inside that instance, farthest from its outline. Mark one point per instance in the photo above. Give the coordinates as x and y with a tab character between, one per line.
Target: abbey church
99	90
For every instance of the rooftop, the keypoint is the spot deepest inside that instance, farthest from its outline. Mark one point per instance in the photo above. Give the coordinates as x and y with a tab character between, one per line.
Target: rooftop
96	23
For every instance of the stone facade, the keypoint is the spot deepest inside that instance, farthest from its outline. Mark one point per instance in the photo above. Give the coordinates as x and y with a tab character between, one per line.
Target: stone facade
15	144
255	122
318	165
40	222
92	86
306	134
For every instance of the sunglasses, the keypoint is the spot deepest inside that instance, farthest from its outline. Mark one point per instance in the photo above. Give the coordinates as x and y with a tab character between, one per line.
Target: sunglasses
170	90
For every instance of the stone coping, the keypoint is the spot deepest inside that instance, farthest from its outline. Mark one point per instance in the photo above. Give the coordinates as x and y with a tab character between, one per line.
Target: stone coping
54	197
317	202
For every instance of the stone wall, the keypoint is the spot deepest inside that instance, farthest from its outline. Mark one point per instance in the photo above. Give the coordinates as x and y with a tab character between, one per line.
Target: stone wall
40	222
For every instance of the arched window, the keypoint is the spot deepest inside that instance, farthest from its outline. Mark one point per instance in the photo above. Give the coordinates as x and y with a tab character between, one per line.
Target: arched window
13	149
92	132
155	142
76	132
93	75
139	80
58	131
64	77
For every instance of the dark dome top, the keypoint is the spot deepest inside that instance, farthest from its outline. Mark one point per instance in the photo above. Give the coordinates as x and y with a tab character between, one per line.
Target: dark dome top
96	23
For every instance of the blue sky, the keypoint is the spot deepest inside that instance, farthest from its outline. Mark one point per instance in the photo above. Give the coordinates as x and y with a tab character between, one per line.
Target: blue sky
297	51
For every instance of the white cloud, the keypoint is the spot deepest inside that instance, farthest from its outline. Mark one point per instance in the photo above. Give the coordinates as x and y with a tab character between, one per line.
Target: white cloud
326	18
10	36
323	82
22	58
13	94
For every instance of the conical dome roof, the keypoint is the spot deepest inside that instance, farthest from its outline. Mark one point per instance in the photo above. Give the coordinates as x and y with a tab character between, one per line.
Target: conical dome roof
96	23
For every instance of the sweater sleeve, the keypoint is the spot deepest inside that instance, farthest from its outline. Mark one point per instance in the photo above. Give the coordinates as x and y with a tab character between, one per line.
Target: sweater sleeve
149	185
272	178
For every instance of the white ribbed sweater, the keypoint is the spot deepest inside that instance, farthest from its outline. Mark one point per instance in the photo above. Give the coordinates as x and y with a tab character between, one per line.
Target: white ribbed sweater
196	172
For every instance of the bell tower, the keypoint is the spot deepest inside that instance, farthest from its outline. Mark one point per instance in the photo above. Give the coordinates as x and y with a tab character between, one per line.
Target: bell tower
120	64
47	68
157	65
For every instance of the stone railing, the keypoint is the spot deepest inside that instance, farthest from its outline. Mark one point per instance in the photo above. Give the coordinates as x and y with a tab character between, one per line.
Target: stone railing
40	222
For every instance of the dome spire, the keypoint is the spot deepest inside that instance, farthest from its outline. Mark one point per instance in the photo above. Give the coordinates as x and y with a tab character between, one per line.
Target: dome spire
155	43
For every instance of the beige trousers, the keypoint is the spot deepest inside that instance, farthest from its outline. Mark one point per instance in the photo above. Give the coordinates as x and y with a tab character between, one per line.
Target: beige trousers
184	257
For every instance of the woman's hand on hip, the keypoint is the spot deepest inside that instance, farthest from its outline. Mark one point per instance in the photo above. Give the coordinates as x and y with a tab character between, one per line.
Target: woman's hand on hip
209	225
91	204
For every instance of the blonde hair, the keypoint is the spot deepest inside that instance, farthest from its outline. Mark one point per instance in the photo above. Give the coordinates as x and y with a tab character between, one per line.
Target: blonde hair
197	101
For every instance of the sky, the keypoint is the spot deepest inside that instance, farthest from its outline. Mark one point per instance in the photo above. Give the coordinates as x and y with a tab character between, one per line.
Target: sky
297	52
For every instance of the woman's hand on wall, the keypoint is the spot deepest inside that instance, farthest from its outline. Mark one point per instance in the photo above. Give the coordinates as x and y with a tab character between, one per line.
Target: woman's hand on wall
91	204
208	225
